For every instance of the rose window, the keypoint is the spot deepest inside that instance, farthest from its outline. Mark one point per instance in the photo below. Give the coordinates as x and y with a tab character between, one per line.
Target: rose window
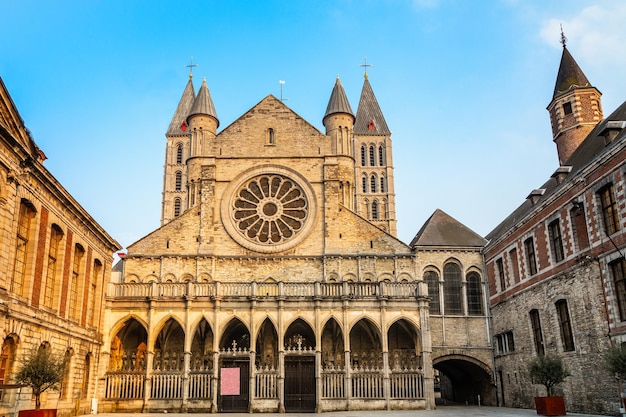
270	209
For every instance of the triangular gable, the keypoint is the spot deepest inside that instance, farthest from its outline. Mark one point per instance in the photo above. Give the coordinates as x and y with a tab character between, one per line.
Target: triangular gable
443	230
12	123
278	104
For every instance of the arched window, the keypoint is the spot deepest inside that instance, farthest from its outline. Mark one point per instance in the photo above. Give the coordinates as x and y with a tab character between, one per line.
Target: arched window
375	210
27	213
452	287
474	295
381	156
179	180
7	355
363	155
372	156
177	207
432	280
271	138
373	183
364	180
56	234
383	188
179	153
77	270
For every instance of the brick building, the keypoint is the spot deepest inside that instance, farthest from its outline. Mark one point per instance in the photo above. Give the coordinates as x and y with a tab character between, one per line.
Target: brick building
276	281
556	266
54	263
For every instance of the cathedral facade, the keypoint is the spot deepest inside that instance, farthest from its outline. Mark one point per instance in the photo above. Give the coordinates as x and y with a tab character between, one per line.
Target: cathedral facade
276	281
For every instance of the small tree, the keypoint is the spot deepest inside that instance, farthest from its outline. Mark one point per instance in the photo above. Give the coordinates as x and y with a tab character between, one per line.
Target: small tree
615	361
41	370
547	370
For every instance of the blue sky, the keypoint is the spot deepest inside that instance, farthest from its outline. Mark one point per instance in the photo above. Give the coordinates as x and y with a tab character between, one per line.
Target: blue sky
463	86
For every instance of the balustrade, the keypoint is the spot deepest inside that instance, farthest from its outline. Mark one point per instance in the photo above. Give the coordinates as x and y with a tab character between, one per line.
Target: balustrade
264	289
266	382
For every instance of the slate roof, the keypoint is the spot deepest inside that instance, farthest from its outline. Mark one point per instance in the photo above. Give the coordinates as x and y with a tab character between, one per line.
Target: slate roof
443	230
591	148
570	75
338	102
182	111
203	104
369	110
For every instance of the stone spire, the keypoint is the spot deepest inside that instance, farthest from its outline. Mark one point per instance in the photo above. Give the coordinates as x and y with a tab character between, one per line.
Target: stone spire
369	117
178	125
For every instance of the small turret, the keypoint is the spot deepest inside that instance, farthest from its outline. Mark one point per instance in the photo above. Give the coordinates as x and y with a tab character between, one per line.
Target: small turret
202	121
576	107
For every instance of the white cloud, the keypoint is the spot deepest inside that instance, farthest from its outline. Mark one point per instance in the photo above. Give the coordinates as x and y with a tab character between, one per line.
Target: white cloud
596	33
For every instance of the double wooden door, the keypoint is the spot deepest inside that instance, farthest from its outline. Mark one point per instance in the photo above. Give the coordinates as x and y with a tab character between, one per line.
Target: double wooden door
300	384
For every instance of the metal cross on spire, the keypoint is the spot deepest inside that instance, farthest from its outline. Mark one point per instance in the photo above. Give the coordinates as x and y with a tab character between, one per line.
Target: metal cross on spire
365	65
563	38
191	67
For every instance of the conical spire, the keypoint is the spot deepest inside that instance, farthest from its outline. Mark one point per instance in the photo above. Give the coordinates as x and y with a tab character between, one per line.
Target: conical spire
338	102
179	122
369	117
203	103
570	75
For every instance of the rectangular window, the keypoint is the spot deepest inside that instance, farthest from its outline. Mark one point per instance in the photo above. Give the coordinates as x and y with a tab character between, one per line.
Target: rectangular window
531	259
618	272
500	272
536	328
567	107
609	209
579	223
565	325
505	343
556	242
514	265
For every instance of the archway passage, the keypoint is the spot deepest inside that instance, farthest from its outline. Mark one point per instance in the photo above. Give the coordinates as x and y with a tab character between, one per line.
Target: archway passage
462	381
300	389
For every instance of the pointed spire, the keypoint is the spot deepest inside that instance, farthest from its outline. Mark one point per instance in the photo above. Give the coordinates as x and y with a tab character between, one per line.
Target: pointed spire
369	117
203	104
179	120
338	102
570	75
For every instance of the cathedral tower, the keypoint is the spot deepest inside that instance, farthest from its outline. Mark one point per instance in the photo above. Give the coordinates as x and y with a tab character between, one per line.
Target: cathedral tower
375	197
575	108
176	152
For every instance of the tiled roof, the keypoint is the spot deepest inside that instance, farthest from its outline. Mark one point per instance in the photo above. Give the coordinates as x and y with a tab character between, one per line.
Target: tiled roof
369	117
590	149
338	102
182	111
443	230
203	104
569	75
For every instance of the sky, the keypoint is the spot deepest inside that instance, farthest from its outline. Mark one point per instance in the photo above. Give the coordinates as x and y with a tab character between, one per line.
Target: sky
463	86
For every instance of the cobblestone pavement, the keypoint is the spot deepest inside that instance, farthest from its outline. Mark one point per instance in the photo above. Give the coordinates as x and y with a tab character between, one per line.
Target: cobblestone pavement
441	411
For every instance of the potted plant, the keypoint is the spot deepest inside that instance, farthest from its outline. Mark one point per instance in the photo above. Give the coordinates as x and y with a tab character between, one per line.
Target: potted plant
548	370
40	370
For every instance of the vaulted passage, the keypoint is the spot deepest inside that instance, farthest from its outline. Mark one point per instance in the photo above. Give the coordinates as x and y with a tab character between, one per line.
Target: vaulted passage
461	381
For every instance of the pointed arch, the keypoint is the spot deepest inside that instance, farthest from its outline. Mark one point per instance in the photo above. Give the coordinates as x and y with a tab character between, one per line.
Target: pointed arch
366	344
128	346
235	335
179	153
267	345
202	347
169	346
299	334
403	339
332	345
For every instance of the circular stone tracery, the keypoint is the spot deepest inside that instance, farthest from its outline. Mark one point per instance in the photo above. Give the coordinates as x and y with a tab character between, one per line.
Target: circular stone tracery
270	209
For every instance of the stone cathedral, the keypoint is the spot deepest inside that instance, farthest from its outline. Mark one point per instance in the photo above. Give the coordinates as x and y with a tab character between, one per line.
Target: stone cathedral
276	282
